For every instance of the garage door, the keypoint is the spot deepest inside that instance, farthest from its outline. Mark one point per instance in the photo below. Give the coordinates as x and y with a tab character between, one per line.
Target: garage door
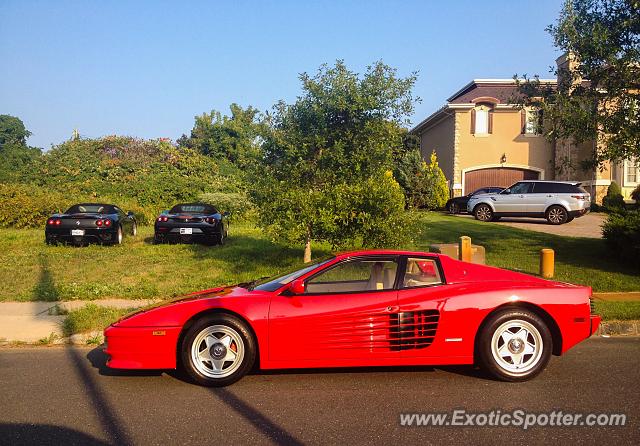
496	176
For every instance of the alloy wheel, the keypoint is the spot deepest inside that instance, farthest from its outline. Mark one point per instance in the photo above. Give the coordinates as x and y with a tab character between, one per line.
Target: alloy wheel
217	351
516	346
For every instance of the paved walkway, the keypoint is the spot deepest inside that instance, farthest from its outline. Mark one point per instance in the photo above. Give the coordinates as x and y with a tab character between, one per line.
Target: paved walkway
589	225
32	321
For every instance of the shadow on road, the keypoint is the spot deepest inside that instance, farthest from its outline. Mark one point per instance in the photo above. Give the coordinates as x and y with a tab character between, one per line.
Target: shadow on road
98	360
21	434
113	426
261	422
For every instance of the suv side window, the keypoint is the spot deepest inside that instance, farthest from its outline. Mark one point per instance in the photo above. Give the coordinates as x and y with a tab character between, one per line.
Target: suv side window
521	188
545	188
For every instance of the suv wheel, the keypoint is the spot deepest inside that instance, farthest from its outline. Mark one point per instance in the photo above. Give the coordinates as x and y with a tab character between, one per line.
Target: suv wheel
483	212
557	215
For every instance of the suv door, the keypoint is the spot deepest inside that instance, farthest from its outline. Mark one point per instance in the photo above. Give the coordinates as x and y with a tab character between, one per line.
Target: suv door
348	311
541	197
514	201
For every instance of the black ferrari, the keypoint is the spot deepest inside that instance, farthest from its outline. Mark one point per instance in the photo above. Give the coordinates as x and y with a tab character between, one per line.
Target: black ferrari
457	205
90	222
192	222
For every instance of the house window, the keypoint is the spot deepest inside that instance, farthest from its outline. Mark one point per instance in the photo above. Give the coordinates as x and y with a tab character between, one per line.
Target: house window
532	122
631	172
482	121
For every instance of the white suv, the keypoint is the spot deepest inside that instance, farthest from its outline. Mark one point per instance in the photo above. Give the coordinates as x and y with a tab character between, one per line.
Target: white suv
557	201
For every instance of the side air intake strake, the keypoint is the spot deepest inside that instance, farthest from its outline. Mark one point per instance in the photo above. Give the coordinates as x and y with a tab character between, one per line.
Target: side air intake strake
415	329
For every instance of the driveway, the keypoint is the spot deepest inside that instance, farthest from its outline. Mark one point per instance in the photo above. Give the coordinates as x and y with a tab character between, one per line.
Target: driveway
589	225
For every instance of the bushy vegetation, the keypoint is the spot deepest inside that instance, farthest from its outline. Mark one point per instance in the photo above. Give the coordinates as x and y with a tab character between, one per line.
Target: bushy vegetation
613	201
424	184
622	234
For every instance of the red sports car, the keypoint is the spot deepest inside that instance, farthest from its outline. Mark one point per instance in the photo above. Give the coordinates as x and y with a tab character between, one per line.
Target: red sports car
367	308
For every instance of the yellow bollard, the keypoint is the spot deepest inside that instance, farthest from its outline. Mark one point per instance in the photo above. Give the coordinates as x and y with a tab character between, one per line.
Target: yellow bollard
464	249
547	263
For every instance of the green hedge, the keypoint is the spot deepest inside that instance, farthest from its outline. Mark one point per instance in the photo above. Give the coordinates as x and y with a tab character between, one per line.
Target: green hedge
621	232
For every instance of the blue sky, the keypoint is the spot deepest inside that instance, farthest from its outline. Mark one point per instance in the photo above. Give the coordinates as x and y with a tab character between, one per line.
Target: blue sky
146	68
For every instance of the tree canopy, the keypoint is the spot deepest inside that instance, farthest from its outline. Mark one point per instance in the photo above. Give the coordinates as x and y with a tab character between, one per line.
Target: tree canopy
327	158
598	97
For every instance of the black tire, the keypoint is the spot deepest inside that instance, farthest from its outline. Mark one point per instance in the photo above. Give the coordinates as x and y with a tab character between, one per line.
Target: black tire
556	215
157	240
118	237
238	332
536	338
134	229
221	239
453	208
483	212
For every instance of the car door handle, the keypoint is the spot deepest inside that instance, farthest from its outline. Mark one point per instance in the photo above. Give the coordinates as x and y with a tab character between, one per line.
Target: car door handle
521	196
550	196
392	309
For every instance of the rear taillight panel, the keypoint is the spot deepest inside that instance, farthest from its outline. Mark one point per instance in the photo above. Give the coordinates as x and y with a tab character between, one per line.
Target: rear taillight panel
105	222
211	220
54	222
163	219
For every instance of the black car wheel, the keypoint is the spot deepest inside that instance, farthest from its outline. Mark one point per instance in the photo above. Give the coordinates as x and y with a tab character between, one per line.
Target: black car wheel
134	229
454	208
118	237
514	345
217	350
483	212
557	215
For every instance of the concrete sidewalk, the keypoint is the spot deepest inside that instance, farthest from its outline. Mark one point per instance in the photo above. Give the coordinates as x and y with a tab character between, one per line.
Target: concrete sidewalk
31	321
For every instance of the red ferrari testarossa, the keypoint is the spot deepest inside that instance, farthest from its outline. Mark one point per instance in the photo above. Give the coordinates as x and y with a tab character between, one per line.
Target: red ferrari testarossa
366	308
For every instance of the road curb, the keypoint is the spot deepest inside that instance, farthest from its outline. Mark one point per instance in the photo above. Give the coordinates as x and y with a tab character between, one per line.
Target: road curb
619	328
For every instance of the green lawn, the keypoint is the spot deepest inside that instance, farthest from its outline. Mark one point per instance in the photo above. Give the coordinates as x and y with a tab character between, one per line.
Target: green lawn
30	270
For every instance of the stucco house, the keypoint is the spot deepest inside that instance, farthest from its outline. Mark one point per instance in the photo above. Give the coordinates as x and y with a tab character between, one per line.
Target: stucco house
482	139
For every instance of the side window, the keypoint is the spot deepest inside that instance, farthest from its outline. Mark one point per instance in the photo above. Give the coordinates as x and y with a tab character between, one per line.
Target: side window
355	275
421	272
544	188
521	188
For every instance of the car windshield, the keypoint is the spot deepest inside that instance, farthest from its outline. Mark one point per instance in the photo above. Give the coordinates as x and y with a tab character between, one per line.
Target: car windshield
275	282
193	209
90	209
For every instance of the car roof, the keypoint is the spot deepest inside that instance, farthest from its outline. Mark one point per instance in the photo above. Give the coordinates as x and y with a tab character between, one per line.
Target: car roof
573	183
384	252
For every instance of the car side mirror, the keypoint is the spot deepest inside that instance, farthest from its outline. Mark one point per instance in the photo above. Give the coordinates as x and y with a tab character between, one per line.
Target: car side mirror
226	213
506	191
130	214
297	287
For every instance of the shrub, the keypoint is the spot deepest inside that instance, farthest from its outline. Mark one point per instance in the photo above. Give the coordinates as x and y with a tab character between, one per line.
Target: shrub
621	232
614	201
636	194
237	203
424	184
24	206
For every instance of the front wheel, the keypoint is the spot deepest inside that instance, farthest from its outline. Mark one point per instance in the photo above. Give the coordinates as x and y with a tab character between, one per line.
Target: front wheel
218	350
514	345
483	212
453	208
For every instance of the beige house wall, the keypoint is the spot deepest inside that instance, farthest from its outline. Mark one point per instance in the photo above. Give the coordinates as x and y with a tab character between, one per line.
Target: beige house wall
506	139
440	138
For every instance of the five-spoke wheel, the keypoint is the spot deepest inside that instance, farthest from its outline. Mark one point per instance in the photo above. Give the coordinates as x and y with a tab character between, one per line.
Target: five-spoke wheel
217	350
514	345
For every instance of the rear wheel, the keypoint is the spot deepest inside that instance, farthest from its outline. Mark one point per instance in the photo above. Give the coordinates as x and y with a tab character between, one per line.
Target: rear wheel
557	215
483	212
454	208
118	237
514	345
134	229
218	350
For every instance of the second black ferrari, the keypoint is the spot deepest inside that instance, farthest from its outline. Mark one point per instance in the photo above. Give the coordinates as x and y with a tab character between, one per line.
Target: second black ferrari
192	222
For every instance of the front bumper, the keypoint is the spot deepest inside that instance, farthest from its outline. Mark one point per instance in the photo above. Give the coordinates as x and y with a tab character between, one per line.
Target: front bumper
141	347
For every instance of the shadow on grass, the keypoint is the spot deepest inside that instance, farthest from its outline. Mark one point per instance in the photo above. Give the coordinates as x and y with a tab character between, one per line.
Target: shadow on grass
46	288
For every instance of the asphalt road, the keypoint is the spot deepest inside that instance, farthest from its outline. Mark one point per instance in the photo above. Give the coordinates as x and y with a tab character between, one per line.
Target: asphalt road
64	395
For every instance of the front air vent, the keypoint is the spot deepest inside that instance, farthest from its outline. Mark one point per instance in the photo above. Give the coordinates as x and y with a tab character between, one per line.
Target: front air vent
414	330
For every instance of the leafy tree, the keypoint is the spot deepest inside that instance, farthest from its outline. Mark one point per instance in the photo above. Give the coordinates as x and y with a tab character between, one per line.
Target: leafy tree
599	96
15	155
425	185
234	138
325	172
12	131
